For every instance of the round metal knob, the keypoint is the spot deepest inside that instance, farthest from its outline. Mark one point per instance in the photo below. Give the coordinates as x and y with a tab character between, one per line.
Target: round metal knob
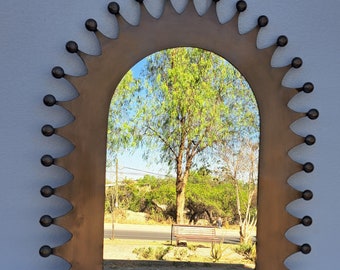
306	221
45	251
49	100
46	191
307	195
262	21
46	221
297	62
71	46
58	72
310	139
113	8
308	87
241	6
313	114
47	130
282	41
305	248
308	167
91	25
47	160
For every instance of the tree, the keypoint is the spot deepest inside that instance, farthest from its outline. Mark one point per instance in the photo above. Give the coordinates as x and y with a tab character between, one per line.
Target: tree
240	163
187	101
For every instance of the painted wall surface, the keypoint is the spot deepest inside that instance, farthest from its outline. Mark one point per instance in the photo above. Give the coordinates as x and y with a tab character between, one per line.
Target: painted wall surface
32	37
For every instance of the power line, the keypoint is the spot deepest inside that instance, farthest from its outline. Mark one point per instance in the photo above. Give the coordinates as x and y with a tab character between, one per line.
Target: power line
138	170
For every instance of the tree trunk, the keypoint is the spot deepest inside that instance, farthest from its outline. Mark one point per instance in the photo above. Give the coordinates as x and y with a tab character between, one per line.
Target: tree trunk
180	202
180	197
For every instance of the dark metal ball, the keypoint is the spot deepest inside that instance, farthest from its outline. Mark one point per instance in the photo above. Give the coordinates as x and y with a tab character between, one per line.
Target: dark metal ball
297	62
113	8
313	114
46	221
308	167
47	160
262	21
91	25
310	139
282	41
46	191
305	248
307	195
45	251
306	221
58	72
241	6
71	46
47	130
49	100
308	87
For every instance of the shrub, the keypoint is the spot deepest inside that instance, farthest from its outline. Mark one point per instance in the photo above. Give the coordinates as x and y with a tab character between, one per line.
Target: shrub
216	251
151	253
248	250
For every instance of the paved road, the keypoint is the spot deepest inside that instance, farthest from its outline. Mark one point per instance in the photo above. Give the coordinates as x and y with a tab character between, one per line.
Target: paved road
157	232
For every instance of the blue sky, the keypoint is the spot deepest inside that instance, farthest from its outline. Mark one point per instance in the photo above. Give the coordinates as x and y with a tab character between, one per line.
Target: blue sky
133	165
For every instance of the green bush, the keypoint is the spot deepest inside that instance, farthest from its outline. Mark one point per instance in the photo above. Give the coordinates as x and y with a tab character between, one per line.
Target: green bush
150	253
248	250
216	251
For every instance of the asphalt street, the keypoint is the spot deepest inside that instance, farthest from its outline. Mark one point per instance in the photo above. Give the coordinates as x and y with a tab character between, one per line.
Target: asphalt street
157	232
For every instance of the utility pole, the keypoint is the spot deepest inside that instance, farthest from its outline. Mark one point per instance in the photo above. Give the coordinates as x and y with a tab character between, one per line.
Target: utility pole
115	205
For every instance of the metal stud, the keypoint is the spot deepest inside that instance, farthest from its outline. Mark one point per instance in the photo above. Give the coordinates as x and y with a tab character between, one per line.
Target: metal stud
140	1
49	100
91	25
308	87
58	72
282	41
313	114
113	8
306	221
297	62
310	139
262	21
47	130
46	221
241	6
47	160
308	167
305	248
307	195
47	191
71	46
45	251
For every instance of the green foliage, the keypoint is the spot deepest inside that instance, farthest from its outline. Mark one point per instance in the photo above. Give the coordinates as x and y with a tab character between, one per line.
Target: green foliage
181	253
207	197
187	101
151	253
216	251
248	250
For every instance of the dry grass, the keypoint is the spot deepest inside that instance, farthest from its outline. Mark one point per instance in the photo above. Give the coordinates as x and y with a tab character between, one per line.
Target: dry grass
122	249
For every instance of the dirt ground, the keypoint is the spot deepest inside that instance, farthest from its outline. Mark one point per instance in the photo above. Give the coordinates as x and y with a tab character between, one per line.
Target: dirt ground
118	255
161	265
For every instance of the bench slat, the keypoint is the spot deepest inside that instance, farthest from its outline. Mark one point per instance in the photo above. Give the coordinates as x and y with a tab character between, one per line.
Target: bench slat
194	233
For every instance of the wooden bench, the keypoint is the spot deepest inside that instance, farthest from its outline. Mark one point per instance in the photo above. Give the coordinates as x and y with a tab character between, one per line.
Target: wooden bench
193	233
